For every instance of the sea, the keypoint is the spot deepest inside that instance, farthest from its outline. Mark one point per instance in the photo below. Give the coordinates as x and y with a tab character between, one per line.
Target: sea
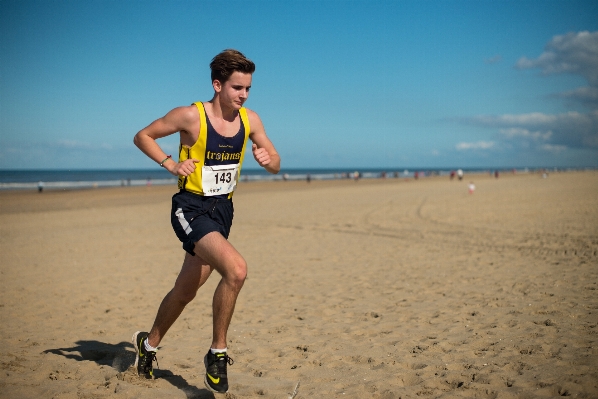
70	179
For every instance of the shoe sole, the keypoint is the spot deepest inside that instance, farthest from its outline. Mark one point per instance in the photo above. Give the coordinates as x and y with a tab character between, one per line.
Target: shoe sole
205	381
134	339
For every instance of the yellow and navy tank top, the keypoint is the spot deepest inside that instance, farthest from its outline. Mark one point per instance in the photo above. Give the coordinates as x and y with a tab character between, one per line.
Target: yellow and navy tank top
213	149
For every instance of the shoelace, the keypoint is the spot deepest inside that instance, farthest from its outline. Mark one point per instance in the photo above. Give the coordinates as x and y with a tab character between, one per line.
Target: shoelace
221	363
148	359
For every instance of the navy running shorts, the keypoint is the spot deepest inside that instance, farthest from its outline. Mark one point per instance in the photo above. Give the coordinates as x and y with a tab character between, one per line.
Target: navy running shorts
193	216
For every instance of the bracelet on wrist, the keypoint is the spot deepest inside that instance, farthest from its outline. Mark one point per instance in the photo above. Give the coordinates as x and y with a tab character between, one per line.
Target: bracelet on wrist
165	159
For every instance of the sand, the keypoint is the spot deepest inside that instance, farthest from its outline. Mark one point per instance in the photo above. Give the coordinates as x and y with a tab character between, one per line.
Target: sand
373	289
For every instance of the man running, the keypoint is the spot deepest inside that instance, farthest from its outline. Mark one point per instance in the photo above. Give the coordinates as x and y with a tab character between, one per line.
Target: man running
213	135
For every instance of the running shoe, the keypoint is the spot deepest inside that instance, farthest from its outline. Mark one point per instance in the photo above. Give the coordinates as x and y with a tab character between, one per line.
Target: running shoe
216	379
143	358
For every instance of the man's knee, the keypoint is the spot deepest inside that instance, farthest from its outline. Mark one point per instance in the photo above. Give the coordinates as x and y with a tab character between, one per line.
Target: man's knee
237	272
182	295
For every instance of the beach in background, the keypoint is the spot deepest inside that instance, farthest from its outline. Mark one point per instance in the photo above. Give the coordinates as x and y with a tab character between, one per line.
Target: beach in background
84	179
377	288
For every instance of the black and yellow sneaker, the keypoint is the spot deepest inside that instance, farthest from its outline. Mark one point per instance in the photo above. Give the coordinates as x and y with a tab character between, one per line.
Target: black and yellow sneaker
143	358
216	379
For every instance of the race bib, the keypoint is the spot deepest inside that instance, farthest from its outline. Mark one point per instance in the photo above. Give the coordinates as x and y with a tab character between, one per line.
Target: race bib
219	179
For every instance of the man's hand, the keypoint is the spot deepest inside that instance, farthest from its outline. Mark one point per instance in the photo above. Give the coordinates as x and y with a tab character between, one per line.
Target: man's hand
184	168
261	155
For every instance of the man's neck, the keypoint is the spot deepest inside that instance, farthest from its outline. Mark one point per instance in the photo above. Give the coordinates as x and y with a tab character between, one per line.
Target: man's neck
219	111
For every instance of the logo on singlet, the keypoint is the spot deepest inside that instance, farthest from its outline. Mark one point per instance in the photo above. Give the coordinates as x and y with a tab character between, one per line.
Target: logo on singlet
223	156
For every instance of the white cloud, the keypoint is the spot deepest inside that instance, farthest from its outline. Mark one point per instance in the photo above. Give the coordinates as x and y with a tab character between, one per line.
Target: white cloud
73	144
571	129
480	145
516	132
81	145
538	132
553	148
67	154
585	95
571	53
531	119
493	60
574	53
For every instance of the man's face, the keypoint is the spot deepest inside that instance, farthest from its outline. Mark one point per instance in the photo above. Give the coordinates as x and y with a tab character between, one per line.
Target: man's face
235	90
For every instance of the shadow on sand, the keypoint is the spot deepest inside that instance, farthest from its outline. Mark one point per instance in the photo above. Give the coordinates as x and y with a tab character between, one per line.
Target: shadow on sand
121	357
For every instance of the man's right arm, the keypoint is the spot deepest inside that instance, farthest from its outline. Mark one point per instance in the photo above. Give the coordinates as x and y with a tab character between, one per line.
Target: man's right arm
179	119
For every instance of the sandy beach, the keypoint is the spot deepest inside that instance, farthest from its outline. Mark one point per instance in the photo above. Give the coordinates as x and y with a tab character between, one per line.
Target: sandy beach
385	288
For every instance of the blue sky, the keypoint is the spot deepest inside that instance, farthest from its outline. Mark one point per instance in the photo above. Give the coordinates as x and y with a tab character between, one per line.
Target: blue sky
338	84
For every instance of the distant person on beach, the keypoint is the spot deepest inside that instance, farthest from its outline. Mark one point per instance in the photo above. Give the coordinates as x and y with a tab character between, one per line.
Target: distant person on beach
213	135
471	187
460	174
40	186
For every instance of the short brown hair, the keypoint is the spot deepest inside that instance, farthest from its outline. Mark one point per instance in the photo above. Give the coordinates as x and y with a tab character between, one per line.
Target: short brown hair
229	61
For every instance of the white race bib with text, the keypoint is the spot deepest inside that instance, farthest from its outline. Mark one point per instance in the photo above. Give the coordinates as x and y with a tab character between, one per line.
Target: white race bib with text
219	179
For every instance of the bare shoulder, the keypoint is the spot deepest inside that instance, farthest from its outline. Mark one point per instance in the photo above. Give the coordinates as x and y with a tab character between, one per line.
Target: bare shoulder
186	113
184	119
254	119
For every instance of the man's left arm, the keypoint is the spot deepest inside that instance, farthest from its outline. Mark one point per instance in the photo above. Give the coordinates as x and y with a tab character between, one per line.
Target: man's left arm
262	148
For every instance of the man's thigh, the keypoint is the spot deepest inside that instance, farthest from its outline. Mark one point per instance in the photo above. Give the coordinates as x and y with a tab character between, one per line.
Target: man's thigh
219	253
193	274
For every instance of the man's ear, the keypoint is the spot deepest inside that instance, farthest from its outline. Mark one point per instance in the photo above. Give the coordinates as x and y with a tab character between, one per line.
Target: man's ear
217	85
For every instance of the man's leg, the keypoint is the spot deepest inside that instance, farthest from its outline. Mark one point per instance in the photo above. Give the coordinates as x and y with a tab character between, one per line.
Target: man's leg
193	274
229	263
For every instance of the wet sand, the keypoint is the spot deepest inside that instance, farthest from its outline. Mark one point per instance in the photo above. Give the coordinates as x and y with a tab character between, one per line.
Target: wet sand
372	289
